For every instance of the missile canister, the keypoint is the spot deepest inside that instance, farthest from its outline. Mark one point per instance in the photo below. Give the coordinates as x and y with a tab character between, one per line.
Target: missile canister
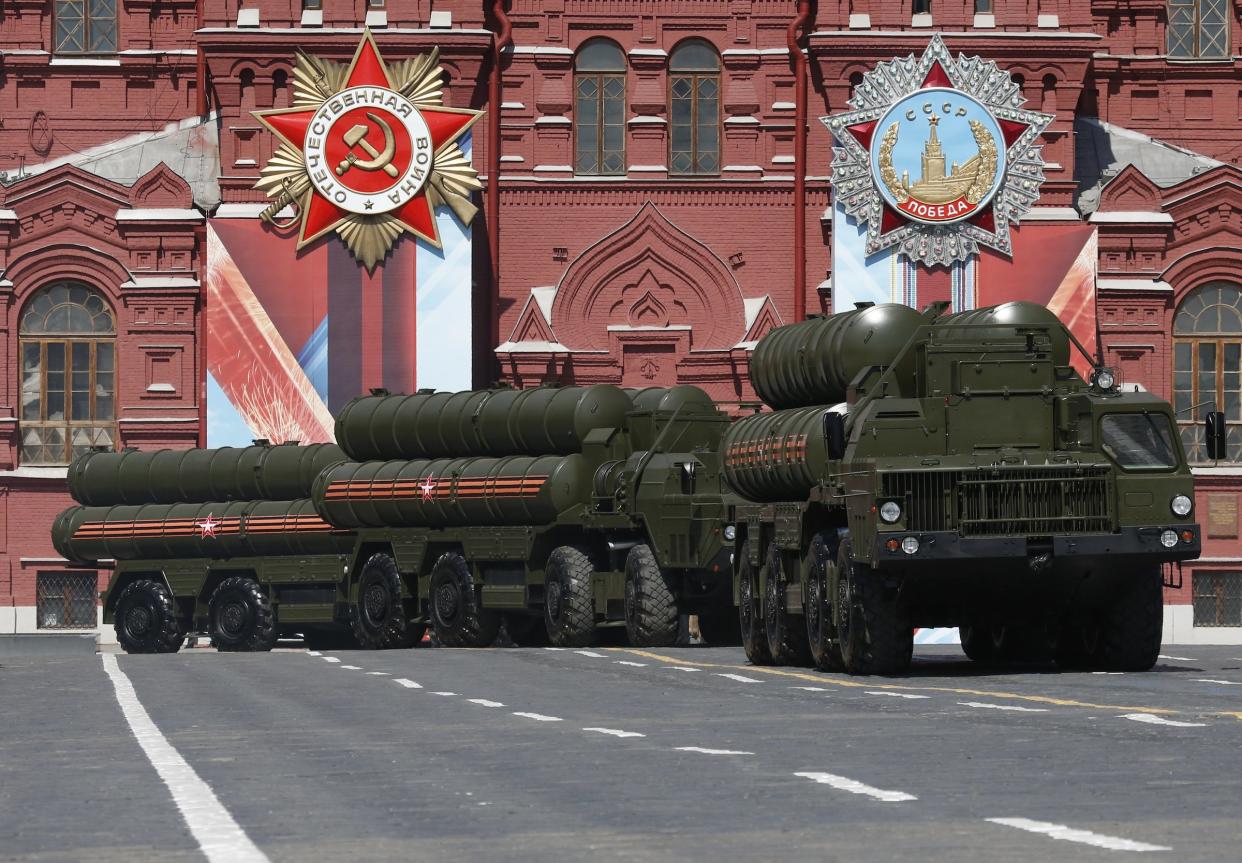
685	397
196	530
443	492
1018	314
278	473
813	362
776	456
499	422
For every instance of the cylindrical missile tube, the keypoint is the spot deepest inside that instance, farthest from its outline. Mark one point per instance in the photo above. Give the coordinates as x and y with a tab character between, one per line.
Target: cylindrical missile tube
776	456
1017	314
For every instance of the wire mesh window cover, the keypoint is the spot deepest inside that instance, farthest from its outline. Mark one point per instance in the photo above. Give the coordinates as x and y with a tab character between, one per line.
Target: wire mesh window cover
1198	28
1217	598
599	109
694	96
68	374
66	600
86	26
1207	366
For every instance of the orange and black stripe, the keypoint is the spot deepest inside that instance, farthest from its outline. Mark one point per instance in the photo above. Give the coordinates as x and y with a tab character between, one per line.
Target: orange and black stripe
442	488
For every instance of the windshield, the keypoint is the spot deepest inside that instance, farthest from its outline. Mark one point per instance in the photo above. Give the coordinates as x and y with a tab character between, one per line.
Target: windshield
1138	440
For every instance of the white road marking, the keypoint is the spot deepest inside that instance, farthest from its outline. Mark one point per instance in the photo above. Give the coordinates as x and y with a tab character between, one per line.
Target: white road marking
556	648
444	693
590	653
1175	658
484	702
330	659
408	684
703	751
219	836
352	667
740	678
1108	672
1012	707
631	664
1220	682
810	688
853	786
1071	834
682	668
615	732
895	694
377	674
539	717
313	653
1153	719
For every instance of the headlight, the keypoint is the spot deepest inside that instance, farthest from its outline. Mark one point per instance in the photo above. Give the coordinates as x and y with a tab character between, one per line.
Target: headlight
1105	380
911	544
730	532
1168	538
890	511
1181	505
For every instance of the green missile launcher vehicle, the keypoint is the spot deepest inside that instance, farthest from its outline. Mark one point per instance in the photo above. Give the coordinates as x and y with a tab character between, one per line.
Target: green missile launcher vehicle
924	471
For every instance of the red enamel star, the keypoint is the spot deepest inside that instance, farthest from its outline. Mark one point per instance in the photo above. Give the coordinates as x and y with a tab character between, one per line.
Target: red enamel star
207	526
369	154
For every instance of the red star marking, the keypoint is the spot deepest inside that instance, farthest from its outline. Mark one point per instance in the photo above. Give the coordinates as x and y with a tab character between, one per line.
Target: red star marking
429	489
207	526
936	77
367	70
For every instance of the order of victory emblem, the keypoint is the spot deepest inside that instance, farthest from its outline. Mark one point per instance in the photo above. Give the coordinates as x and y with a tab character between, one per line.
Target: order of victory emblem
368	150
938	157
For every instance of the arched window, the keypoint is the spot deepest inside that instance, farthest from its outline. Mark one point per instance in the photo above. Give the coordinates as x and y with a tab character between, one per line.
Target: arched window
599	108
1207	364
85	26
694	88
68	345
1198	28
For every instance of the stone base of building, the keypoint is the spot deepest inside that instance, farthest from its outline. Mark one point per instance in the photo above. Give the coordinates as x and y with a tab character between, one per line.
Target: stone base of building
21	620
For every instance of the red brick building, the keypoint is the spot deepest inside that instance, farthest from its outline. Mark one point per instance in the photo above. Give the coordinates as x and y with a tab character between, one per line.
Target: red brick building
648	197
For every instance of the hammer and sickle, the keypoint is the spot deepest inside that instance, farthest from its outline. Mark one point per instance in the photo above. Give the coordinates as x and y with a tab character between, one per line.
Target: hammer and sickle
380	160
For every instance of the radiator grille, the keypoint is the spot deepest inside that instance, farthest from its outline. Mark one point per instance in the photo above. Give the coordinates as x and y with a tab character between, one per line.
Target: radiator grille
1005	502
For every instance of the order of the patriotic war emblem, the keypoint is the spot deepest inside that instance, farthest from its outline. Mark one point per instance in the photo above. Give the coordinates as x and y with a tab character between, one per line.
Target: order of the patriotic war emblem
368	150
938	157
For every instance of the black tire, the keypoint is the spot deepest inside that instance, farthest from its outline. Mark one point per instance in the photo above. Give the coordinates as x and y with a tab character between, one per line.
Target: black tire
786	634
458	617
874	634
651	614
719	627
526	630
377	617
1078	645
411	635
569	598
749	617
240	617
978	641
146	619
821	633
1132	626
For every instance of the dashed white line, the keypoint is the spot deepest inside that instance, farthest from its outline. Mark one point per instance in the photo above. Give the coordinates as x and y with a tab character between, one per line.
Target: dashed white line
590	653
1011	707
895	694
483	702
377	674
219	836
740	678
444	693
1219	682
631	664
1111	673
1153	719
1071	834
615	732
408	684
843	783
556	648
682	668
352	667
810	688
313	653
1175	658
538	717
330	659
701	750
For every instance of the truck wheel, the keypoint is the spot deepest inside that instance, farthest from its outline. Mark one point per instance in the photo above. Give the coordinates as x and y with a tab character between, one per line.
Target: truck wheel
874	634
458	618
241	617
526	630
146	619
651	616
569	598
978	641
410	636
786	636
1078	645
719	627
820	632
1132	625
754	638
377	617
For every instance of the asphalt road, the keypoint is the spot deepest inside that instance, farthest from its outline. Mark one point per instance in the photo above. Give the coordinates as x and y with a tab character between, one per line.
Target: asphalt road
613	754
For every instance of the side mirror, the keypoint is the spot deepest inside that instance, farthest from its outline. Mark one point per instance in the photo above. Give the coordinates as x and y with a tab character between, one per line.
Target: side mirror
1214	435
834	434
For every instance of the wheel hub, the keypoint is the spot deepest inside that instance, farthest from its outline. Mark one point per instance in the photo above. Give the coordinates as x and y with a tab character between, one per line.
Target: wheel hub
771	595
813	613
554	601
375	602
843	606
233	618
138	620
446	602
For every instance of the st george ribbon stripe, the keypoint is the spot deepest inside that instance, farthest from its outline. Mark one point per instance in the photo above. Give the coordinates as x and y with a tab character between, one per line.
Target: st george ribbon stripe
219	836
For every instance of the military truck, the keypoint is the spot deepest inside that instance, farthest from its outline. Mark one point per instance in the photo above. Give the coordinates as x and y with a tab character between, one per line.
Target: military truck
921	469
556	510
223	541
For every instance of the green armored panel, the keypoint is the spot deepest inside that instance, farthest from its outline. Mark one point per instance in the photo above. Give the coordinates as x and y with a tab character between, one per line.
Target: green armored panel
195	530
542	421
813	362
512	490
1018	314
776	456
137	477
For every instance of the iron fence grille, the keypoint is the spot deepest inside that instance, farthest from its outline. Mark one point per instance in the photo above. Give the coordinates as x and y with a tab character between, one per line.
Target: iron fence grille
1217	598
66	600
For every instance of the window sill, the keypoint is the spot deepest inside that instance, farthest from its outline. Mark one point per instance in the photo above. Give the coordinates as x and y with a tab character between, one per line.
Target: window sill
99	62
